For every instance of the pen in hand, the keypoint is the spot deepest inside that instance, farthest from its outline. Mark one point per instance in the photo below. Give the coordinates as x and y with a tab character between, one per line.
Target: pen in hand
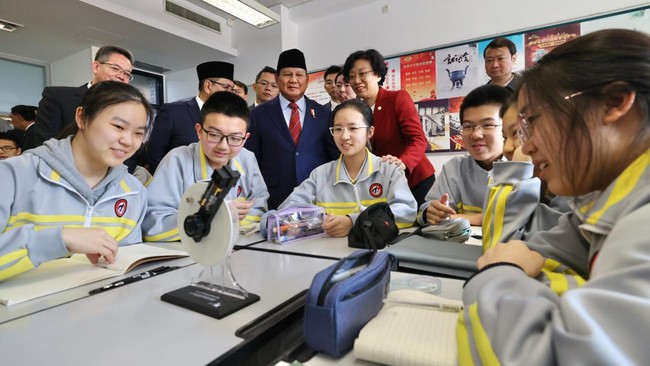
134	278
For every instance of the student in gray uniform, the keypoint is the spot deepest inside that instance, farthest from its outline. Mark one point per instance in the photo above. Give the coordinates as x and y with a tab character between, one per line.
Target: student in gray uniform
585	116
358	179
517	204
459	189
222	131
75	195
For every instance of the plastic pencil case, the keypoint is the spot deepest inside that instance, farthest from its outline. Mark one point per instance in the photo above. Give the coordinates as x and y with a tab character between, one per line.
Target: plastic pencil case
293	223
344	297
456	230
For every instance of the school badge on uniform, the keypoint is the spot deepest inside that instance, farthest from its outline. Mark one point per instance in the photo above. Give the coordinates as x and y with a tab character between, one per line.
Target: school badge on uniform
120	207
376	190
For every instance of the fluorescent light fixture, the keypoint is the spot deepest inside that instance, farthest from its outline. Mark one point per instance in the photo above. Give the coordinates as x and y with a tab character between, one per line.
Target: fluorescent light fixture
8	26
249	11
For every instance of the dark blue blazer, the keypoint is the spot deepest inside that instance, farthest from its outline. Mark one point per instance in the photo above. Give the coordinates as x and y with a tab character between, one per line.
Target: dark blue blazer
173	127
283	164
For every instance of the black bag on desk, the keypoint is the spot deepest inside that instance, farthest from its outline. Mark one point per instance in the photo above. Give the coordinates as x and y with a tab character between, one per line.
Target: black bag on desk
374	229
344	297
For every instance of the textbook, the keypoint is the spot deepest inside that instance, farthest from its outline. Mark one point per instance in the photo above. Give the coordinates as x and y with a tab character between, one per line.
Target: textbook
412	329
67	273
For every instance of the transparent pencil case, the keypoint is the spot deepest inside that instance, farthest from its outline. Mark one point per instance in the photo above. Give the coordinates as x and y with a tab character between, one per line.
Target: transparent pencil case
294	223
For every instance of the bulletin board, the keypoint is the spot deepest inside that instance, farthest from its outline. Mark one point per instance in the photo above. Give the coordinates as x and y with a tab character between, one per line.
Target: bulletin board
438	79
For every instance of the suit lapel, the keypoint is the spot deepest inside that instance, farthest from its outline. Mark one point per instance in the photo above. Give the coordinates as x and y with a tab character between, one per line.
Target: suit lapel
194	111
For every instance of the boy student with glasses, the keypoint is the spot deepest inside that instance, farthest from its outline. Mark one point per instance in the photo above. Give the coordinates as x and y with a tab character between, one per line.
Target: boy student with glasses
56	110
459	189
174	124
221	131
8	146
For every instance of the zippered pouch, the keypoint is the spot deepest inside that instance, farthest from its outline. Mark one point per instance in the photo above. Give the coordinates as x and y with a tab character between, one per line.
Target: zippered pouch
456	230
343	298
293	223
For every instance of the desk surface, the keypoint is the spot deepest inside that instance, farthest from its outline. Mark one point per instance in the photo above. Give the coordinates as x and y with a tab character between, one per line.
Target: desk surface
131	325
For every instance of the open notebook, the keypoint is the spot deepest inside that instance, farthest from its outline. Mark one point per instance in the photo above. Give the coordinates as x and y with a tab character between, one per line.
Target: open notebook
67	273
413	328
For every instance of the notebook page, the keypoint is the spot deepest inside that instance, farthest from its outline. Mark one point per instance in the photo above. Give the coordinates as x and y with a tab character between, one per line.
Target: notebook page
405	334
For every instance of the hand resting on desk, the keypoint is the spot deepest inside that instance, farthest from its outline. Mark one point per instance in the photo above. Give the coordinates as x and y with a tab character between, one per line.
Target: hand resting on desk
337	226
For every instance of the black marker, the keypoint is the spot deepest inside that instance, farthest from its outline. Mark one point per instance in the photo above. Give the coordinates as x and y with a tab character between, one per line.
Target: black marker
134	278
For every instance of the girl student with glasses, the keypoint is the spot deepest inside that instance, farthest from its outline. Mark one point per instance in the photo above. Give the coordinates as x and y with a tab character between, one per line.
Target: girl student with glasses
75	195
398	136
517	204
459	190
356	180
222	131
596	147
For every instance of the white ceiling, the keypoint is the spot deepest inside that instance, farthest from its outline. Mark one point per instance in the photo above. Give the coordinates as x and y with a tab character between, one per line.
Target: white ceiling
57	28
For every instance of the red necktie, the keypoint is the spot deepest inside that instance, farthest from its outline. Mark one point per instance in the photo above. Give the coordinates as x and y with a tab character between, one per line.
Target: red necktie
294	123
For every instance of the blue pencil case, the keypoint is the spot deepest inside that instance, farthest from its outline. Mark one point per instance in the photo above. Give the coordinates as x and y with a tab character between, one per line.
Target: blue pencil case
343	298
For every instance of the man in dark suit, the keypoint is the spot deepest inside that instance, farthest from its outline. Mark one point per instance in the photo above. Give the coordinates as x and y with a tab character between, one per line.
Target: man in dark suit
330	86
22	118
57	108
265	86
174	124
500	58
290	133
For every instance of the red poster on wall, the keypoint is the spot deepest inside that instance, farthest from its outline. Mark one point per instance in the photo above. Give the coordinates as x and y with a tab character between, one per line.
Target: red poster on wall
418	75
541	42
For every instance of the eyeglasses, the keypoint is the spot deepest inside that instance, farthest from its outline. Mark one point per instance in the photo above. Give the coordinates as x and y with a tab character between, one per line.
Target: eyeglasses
338	130
8	148
468	128
362	75
216	137
118	69
226	87
265	84
527	123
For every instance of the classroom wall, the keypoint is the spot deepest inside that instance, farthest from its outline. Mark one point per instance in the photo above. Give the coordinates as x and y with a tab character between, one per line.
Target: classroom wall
73	70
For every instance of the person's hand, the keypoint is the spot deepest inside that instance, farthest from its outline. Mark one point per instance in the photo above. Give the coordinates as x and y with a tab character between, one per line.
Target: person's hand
515	252
93	242
393	160
439	210
519	155
337	226
241	207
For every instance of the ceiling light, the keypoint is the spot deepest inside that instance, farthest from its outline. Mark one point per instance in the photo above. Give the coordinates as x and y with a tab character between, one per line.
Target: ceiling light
8	26
249	11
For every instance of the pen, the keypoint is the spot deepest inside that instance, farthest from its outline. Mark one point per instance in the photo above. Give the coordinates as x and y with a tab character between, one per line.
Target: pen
134	278
431	305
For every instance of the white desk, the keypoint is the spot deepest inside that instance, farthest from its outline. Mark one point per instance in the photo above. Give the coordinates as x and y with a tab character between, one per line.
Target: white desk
130	325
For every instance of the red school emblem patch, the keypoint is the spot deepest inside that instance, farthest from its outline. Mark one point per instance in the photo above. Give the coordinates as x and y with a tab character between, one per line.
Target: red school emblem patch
120	207
376	190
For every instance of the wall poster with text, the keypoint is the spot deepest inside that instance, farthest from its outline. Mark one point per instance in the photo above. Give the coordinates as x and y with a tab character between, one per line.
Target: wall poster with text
457	71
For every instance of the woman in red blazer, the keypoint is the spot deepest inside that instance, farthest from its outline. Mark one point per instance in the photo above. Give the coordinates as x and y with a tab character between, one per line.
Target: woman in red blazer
399	137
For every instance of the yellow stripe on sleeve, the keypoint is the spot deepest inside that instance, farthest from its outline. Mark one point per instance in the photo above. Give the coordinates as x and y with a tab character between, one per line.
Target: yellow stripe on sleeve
171	235
462	339
481	340
23	263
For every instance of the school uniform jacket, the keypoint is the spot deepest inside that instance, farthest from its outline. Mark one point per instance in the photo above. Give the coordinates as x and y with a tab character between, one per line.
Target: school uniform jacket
398	132
42	192
329	186
173	127
465	182
513	319
182	168
512	209
284	164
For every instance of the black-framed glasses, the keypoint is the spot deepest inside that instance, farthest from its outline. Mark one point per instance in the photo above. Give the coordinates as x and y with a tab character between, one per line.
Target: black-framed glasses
118	69
265	84
226	87
468	128
527	122
8	148
216	137
338	130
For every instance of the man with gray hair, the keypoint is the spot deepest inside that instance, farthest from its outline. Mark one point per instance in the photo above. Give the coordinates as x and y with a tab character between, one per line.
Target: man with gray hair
56	110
